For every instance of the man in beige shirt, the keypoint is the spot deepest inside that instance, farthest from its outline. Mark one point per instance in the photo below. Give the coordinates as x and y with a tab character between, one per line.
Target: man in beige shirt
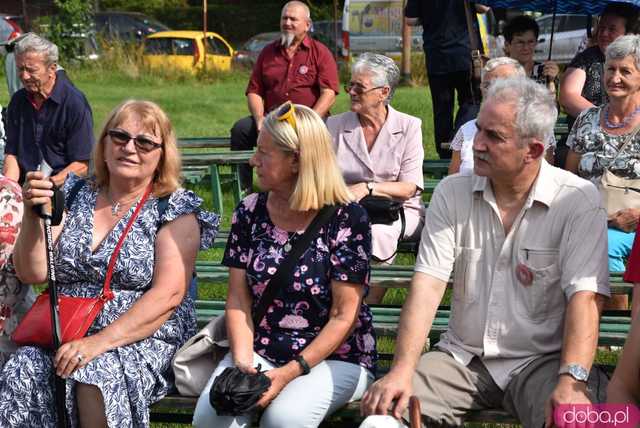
527	245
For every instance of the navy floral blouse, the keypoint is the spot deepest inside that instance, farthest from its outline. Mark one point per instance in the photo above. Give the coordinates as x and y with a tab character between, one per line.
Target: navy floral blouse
341	252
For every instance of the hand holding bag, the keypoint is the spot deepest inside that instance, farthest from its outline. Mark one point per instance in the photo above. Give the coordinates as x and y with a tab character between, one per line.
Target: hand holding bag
619	193
236	393
76	313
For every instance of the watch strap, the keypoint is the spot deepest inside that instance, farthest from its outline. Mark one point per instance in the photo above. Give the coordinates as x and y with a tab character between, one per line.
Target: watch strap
303	364
576	371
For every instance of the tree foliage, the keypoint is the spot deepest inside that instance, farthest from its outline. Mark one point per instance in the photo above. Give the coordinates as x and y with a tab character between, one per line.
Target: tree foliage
69	26
150	7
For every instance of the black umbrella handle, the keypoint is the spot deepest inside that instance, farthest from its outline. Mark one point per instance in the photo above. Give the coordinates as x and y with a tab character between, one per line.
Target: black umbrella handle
60	384
553	27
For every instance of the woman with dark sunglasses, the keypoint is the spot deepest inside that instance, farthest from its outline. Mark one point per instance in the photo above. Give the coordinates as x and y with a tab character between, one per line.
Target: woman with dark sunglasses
380	152
123	363
316	341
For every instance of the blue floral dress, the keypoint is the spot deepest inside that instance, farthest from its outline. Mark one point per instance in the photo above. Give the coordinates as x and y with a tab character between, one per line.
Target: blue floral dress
341	252
130	377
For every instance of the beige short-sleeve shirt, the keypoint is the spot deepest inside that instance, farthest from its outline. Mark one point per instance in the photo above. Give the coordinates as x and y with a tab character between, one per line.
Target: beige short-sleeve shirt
510	292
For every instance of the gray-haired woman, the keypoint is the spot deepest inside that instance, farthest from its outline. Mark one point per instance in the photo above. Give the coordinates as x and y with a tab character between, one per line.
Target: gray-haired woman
597	137
380	151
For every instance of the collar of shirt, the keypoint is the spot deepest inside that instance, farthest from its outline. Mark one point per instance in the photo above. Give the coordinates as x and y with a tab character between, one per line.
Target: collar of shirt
55	95
544	189
306	43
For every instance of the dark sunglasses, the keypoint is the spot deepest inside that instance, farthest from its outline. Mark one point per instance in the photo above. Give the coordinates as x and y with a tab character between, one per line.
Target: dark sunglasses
359	90
286	112
142	143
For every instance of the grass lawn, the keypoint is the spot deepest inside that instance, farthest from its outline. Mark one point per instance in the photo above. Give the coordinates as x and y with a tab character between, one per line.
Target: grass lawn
207	108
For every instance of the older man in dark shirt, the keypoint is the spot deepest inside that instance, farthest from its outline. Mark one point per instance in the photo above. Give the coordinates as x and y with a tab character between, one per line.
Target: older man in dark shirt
295	68
49	120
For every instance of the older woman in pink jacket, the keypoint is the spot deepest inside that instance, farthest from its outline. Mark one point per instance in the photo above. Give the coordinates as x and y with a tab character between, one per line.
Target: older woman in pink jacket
380	151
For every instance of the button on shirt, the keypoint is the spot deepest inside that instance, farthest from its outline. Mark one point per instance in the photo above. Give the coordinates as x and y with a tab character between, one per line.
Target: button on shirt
510	292
278	79
61	131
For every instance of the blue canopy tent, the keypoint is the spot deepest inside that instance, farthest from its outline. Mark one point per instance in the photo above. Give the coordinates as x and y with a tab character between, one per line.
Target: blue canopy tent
585	7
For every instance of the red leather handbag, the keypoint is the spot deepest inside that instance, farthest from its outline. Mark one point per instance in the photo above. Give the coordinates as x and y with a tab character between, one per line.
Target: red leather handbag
76	313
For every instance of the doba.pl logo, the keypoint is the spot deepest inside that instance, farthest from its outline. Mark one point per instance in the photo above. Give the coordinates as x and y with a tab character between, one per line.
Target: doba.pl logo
597	415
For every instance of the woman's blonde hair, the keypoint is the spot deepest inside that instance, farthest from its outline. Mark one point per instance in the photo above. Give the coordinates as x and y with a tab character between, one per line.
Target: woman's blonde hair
155	120
319	179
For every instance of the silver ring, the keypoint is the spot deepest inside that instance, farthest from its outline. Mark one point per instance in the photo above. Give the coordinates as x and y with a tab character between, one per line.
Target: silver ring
79	357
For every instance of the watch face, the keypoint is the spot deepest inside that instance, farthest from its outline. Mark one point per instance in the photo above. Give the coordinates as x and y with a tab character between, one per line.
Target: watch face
578	372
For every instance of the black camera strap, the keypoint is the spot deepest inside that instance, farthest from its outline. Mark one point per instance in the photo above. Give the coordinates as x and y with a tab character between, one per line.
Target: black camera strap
285	270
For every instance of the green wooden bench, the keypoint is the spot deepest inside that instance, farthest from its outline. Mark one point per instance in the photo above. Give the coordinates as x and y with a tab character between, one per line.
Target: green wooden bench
202	162
614	327
204	143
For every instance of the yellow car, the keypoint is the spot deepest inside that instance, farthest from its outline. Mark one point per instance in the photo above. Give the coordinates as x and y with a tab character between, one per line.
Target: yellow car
187	50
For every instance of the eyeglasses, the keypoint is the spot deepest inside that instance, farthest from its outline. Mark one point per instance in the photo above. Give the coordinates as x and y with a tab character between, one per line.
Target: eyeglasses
142	143
286	112
525	43
359	90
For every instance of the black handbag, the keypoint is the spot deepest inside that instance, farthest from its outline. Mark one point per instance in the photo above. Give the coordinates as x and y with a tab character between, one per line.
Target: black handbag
235	392
383	210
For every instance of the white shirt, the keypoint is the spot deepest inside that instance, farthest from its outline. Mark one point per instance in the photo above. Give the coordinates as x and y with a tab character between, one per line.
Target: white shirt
559	237
463	143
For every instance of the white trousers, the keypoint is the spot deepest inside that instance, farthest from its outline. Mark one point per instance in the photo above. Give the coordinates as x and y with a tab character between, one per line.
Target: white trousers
379	421
304	402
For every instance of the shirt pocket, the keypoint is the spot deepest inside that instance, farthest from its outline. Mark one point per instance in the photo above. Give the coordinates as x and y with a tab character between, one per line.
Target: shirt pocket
305	75
543	298
465	274
56	140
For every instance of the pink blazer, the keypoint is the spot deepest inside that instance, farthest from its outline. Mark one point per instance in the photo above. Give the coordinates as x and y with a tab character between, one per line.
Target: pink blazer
396	155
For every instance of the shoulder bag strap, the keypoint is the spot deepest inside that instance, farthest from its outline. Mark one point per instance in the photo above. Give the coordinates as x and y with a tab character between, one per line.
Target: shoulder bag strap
107	294
403	225
285	270
627	140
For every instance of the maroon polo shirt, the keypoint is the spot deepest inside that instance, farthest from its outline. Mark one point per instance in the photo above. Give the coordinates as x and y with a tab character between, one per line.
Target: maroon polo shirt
277	79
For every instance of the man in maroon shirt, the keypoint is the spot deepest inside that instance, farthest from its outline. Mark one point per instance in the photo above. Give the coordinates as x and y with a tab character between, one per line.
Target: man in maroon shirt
295	68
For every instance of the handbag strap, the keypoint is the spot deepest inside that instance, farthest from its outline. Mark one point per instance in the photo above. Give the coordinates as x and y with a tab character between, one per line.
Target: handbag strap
285	270
403	225
627	140
107	294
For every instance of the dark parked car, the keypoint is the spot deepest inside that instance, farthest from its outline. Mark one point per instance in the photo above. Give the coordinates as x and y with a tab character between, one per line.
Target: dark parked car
247	55
127	26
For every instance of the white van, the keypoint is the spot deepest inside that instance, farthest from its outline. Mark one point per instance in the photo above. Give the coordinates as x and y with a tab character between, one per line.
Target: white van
376	26
570	33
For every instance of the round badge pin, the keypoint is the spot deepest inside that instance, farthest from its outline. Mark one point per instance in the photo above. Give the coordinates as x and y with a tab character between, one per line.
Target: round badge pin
303	69
524	274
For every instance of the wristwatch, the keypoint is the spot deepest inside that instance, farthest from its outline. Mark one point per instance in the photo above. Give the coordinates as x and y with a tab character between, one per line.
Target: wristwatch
303	364
370	187
576	371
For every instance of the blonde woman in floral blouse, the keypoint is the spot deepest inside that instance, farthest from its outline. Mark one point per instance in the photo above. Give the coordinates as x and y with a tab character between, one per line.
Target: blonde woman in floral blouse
600	132
316	340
